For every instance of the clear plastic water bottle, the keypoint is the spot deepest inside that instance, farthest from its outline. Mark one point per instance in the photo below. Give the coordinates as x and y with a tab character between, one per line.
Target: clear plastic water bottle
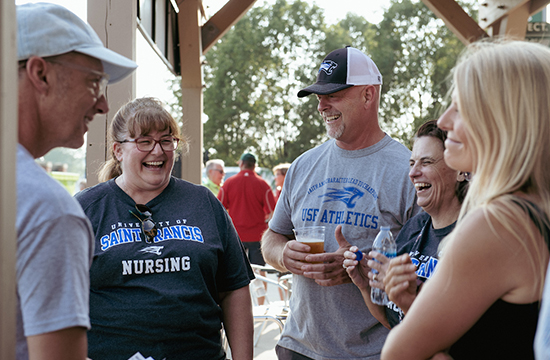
384	244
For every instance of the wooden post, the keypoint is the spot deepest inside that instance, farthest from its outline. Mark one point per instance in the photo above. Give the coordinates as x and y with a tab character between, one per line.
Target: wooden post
115	22
191	87
8	144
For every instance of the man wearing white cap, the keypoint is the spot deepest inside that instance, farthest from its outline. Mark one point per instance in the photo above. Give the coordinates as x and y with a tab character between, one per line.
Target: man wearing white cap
359	181
63	72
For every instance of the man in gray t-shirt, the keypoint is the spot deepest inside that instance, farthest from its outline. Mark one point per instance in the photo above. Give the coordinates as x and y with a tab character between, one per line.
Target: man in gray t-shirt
63	71
357	180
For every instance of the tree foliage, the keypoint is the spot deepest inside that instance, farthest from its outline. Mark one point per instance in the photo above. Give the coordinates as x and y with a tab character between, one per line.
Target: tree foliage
250	81
253	73
415	53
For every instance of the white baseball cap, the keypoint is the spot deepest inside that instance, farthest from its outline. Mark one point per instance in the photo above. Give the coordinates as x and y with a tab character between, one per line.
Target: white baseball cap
45	29
341	69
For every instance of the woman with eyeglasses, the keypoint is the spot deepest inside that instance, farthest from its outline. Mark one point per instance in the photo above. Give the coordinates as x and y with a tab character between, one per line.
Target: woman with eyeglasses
168	266
483	300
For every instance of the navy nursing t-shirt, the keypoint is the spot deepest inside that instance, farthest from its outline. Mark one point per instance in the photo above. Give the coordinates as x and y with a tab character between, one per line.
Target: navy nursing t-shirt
161	299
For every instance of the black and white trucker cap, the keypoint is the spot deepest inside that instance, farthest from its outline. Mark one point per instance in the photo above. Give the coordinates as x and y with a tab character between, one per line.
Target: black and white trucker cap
341	69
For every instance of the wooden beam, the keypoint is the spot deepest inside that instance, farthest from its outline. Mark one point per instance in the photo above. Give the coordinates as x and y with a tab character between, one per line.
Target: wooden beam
456	19
191	88
508	17
491	11
115	22
222	21
538	5
8	144
514	24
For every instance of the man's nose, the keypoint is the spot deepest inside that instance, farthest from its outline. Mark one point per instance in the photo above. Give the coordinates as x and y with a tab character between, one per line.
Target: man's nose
101	105
323	104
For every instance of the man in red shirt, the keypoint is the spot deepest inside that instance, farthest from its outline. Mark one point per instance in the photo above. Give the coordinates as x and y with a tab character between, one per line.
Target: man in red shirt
249	200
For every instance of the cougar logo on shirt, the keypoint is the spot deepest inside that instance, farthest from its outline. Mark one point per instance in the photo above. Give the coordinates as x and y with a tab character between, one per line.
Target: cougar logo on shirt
348	195
328	66
347	182
152	250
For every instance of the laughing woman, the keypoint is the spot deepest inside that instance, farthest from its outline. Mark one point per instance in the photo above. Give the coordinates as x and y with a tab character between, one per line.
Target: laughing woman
483	300
168	267
440	191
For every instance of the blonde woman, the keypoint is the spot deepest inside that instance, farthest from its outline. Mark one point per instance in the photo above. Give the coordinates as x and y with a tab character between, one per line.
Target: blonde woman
483	301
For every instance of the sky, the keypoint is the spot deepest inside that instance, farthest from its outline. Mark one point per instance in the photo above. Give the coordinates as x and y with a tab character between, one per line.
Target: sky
372	10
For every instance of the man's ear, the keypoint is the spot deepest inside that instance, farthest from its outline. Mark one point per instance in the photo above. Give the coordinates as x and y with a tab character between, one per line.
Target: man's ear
38	72
369	92
370	95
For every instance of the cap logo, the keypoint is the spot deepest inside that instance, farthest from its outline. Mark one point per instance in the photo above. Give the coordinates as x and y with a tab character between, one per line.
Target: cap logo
328	66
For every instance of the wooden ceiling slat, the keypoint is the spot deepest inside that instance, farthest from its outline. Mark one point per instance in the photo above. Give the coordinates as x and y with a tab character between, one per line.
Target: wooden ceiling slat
222	21
456	19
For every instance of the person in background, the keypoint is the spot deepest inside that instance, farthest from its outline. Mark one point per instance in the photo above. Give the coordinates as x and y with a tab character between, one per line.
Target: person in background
46	165
280	172
483	300
82	184
168	267
440	191
61	167
357	179
249	200
215	173
63	70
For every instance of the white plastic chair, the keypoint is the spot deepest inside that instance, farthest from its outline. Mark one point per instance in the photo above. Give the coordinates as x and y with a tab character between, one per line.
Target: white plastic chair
272	310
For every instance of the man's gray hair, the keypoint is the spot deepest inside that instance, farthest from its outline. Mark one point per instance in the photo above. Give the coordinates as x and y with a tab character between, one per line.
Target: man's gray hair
210	164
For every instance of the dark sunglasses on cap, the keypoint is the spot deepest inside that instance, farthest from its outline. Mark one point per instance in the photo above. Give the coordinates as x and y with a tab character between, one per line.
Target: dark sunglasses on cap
148	225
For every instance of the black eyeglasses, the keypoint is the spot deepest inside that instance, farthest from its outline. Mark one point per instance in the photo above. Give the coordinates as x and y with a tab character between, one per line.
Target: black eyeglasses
148	226
220	171
146	144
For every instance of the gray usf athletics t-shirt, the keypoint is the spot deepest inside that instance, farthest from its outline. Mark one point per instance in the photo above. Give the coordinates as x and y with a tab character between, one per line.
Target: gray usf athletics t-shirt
361	190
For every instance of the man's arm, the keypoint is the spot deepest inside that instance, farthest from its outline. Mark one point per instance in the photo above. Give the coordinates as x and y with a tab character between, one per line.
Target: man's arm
65	344
273	245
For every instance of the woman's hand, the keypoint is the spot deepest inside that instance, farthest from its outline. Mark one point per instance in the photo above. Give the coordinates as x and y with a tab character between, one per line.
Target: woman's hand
357	270
361	275
400	281
377	280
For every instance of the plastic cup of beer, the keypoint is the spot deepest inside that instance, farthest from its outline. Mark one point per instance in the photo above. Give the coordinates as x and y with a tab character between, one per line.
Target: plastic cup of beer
313	236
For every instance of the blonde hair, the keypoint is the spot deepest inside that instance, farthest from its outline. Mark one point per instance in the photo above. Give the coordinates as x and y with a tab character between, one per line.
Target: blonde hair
138	117
501	89
283	168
